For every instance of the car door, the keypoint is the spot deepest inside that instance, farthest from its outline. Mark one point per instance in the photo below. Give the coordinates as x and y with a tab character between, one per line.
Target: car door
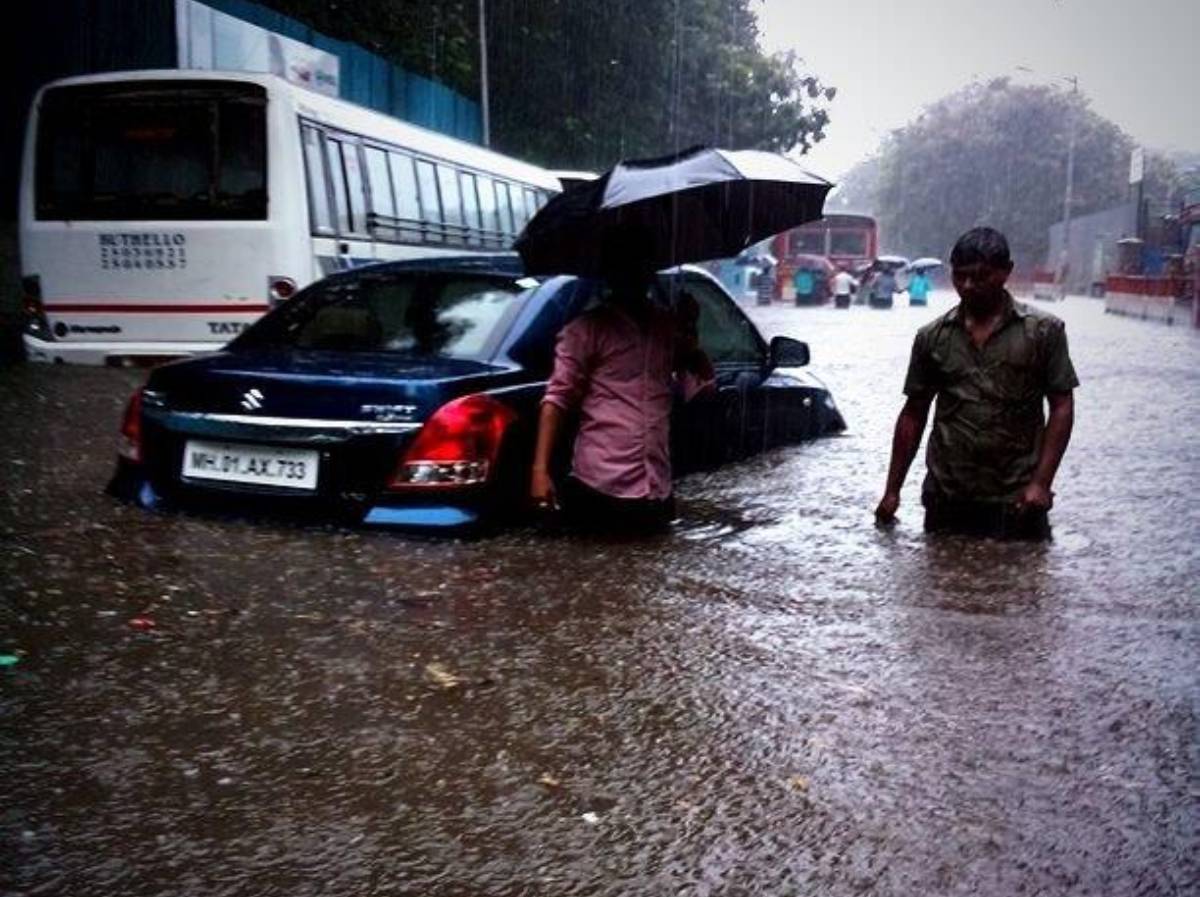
727	423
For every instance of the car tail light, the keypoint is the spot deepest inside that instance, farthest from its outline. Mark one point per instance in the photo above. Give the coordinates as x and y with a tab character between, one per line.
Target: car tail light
458	445
36	323
130	445
280	289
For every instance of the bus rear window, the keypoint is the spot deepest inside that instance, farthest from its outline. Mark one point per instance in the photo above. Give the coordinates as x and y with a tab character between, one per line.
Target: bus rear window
848	242
152	151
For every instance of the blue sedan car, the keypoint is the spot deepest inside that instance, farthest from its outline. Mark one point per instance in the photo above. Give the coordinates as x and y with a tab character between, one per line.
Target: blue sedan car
406	394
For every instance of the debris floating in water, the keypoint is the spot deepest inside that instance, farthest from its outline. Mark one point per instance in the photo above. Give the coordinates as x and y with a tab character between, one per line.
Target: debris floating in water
442	677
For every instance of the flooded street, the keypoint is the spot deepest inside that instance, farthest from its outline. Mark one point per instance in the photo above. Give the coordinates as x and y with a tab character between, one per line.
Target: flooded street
775	698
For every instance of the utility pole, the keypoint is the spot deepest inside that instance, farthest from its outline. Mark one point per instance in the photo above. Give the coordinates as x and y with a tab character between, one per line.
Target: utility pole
483	73
1066	232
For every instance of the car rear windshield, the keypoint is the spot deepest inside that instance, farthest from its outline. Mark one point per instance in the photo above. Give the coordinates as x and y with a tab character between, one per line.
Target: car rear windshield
152	150
453	316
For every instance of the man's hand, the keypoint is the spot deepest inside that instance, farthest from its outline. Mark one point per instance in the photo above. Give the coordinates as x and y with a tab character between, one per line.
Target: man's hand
888	505
542	492
1035	497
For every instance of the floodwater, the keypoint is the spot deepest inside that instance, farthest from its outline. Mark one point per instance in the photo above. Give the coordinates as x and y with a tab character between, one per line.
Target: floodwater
776	698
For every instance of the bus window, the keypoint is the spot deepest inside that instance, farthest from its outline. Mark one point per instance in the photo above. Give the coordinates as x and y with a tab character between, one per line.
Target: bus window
354	184
848	242
431	209
451	202
381	187
487	209
318	188
242	149
531	205
404	181
470	207
337	179
505	208
810	242
116	152
520	215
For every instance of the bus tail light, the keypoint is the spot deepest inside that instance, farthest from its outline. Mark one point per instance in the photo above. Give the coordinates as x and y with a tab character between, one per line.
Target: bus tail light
280	289
130	445
458	446
36	324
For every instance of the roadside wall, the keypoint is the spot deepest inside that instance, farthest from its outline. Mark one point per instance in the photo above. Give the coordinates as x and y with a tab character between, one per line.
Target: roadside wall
1092	255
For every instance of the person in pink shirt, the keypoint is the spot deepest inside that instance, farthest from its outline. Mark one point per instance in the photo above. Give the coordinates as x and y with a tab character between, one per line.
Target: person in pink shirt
618	365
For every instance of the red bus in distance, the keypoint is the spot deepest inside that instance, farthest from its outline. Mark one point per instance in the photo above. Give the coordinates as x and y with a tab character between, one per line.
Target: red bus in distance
850	242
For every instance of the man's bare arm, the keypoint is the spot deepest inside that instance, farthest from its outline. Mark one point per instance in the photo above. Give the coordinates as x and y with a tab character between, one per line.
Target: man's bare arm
1037	494
541	487
905	441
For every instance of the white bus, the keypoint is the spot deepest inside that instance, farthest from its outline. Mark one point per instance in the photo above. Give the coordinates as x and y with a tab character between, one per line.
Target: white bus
162	212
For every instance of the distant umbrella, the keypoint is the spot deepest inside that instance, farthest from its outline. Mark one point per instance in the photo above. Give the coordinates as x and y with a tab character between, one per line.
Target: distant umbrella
699	204
891	261
924	264
756	258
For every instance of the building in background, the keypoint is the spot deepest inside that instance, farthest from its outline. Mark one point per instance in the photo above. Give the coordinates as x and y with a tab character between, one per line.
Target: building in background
1092	253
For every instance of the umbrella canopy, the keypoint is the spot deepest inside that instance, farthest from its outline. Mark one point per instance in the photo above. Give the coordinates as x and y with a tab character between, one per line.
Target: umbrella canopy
924	264
700	204
891	261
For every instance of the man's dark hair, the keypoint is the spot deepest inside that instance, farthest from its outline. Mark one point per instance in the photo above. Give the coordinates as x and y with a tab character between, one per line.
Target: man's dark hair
984	245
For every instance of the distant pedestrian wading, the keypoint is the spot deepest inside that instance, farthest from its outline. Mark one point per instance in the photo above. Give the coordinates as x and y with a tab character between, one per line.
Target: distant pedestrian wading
991	363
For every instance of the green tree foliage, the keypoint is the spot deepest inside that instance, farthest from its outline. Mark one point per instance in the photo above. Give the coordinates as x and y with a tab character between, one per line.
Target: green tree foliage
581	84
996	154
577	83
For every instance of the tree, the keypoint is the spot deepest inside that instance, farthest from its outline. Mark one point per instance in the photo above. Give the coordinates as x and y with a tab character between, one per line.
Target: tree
581	84
858	189
995	153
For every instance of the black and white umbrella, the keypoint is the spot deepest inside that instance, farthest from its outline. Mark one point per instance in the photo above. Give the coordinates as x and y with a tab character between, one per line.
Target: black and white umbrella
699	204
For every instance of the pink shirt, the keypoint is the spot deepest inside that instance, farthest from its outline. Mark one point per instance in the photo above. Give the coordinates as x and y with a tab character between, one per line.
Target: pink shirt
619	374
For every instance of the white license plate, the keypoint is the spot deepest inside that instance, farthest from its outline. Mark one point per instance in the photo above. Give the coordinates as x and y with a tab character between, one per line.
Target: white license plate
261	465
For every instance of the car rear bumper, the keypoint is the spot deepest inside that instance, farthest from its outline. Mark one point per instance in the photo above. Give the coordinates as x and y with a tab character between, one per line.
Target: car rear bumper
132	483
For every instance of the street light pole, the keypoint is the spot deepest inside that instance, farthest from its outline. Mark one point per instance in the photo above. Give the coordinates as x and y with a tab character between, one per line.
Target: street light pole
483	73
1066	233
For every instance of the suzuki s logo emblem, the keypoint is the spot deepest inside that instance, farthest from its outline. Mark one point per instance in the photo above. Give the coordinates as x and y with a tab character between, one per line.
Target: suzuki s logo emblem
252	400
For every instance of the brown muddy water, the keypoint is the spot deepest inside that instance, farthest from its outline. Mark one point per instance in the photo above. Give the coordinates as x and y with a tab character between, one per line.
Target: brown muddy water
775	698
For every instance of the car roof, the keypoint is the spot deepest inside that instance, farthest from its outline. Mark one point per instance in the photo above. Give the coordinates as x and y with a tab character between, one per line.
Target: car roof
501	264
506	264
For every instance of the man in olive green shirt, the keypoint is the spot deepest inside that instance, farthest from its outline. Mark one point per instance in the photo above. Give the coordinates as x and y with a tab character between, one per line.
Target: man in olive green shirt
990	362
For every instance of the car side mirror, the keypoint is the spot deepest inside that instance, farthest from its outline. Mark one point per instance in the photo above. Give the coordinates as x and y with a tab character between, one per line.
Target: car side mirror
786	352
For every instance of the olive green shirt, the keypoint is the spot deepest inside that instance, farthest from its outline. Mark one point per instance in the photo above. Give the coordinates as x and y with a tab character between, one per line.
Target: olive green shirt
988	421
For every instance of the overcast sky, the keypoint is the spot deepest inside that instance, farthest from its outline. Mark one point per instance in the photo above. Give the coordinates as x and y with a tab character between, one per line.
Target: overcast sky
1138	61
